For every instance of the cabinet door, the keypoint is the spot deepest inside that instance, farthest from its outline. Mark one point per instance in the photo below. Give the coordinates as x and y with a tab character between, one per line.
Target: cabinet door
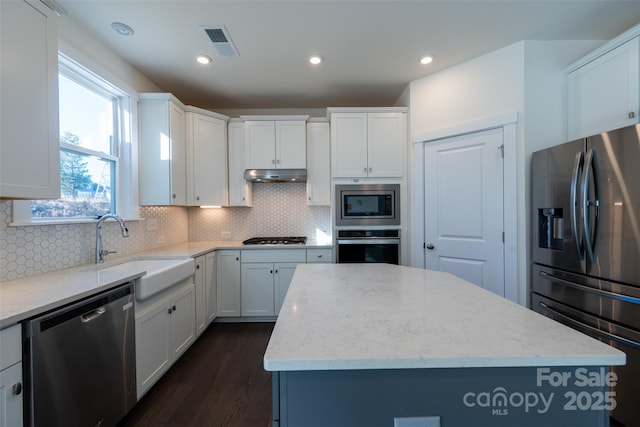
604	94
283	275
291	146
228	283
29	137
318	164
261	142
11	396
182	320
207	179
162	151
239	189
257	289
153	358
201	295
178	162
210	286
348	145
386	144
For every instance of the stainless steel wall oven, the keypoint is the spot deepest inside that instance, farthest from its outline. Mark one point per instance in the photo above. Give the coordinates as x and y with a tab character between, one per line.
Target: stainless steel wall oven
368	246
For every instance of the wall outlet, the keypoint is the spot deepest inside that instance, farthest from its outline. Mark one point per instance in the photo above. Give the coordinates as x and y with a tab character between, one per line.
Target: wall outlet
417	422
152	224
226	235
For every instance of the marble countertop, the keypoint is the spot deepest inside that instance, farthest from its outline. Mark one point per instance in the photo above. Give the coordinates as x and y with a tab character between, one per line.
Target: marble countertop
381	316
23	298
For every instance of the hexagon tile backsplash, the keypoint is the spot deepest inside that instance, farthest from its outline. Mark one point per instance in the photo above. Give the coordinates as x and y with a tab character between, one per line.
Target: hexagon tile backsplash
30	250
278	210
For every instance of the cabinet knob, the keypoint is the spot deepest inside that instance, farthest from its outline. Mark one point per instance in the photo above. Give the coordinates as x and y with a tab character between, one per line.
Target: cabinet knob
430	246
173	195
198	267
273	161
197	197
364	170
174	308
277	161
170	310
370	169
16	389
632	114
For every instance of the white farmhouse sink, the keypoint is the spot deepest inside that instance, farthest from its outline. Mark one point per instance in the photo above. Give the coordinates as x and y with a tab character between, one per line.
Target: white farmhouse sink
161	273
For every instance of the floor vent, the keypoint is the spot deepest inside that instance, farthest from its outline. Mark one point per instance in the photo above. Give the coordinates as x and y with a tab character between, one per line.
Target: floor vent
219	36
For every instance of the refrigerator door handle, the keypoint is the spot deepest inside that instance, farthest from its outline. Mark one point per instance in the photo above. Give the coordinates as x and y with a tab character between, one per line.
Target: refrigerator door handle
573	203
590	328
590	238
599	292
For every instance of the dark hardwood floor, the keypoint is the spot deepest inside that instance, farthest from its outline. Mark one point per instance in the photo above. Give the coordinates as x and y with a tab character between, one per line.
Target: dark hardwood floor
219	381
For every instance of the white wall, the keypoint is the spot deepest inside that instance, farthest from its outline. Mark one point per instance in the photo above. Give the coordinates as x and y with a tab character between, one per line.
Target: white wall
524	78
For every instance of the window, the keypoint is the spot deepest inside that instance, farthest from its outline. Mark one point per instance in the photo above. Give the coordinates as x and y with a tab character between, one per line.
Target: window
94	126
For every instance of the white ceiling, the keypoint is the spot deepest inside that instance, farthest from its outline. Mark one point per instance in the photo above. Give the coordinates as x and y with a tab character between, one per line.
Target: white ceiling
371	48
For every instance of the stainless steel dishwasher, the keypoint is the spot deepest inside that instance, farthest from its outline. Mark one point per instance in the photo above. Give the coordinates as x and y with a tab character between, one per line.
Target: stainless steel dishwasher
80	368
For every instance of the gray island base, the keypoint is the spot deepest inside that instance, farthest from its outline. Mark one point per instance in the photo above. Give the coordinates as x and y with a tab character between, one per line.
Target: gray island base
473	397
371	345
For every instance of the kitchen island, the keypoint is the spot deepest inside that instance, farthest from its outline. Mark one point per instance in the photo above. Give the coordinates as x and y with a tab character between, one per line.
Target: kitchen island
367	344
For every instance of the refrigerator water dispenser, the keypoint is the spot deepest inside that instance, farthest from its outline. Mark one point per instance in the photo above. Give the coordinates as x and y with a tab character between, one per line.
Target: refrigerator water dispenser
550	228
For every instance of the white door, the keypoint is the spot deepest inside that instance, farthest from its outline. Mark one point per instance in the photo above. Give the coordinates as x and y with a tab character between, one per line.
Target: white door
464	208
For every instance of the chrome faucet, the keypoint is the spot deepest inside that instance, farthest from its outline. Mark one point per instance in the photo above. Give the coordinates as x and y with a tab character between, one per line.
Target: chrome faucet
100	253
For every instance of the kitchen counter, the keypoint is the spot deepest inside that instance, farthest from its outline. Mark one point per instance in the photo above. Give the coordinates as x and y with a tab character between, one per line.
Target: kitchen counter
33	295
361	344
381	316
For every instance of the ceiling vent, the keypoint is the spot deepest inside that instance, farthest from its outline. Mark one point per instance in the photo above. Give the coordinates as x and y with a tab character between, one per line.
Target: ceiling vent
219	36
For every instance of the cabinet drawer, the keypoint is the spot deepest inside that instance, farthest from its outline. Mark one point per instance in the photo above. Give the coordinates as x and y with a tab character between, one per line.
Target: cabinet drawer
319	255
10	346
274	255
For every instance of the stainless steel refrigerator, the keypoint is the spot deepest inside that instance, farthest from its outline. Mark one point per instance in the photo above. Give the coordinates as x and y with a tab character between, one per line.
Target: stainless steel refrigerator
586	247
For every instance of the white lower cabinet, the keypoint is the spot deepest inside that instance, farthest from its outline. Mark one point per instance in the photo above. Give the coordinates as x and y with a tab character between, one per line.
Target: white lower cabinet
228	283
11	387
283	276
266	275
201	296
319	256
210	288
165	328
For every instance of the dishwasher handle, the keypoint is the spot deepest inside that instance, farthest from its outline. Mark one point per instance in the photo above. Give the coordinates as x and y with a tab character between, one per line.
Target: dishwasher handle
93	314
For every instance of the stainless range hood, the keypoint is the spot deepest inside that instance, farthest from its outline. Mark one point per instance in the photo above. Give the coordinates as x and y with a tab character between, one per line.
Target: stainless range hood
276	175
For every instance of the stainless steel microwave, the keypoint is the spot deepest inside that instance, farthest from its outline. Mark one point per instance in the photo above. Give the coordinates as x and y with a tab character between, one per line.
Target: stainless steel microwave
367	204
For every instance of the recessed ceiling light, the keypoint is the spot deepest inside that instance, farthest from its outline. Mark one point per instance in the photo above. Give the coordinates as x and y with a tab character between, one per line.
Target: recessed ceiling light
203	59
427	59
315	59
122	29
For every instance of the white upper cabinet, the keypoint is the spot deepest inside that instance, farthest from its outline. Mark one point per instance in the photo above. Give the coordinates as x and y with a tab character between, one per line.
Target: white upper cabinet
206	158
318	164
162	150
29	137
239	189
604	88
368	144
275	143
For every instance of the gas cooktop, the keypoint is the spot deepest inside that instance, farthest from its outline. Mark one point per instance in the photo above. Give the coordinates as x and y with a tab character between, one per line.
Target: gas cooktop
275	241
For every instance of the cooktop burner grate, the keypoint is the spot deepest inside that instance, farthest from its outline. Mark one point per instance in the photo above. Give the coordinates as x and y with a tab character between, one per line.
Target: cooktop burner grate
275	241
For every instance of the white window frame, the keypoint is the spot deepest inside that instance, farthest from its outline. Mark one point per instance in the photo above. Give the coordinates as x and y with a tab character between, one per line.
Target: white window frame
124	150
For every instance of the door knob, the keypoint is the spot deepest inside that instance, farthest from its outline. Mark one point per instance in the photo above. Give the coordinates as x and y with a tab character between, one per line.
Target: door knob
430	246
